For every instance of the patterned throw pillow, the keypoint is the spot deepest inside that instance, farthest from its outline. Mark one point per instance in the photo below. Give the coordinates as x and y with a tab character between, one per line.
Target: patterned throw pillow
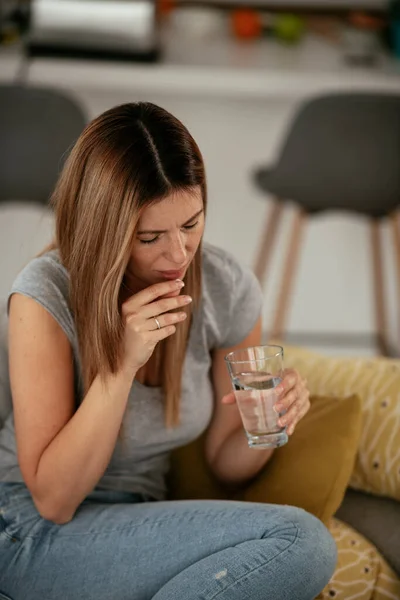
361	572
377	383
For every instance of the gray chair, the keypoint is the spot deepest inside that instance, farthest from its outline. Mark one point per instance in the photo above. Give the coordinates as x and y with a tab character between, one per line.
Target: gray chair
342	152
37	128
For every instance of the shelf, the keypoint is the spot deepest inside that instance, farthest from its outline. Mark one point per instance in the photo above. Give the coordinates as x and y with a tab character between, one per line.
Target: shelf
224	67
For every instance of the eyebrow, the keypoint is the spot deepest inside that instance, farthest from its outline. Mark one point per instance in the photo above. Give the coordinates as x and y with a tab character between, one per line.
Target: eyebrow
158	231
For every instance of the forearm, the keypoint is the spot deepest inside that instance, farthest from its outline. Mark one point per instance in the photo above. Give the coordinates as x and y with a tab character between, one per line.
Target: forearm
236	463
77	457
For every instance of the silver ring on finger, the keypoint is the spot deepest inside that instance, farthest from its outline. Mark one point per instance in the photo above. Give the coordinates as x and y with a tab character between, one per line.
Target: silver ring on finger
157	323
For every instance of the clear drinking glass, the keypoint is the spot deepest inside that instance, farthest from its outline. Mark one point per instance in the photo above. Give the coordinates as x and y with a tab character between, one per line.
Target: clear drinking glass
255	372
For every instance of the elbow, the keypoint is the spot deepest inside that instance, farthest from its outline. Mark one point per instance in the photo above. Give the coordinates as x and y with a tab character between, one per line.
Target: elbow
52	511
224	475
58	518
229	480
50	502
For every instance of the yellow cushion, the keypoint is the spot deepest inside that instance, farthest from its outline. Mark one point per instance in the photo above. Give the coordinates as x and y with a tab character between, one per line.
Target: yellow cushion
361	572
311	471
377	383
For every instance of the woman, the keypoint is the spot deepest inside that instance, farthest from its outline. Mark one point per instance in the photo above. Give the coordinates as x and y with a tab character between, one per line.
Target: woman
113	363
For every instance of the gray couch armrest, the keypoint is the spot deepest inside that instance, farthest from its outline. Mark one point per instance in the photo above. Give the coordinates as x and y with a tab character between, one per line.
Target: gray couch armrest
378	519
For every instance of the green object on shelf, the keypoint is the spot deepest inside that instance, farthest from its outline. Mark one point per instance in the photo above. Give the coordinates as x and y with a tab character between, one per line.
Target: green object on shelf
289	28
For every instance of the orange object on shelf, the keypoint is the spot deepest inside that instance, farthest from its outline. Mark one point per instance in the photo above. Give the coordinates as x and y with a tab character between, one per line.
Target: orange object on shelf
166	6
246	23
365	21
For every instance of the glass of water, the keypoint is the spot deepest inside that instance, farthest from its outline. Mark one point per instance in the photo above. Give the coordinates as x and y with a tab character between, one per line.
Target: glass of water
255	372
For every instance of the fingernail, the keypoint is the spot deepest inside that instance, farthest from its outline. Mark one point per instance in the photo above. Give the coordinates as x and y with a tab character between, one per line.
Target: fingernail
179	283
282	422
187	299
278	407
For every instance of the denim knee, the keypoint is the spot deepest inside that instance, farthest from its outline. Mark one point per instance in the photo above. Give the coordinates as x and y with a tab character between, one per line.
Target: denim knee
318	548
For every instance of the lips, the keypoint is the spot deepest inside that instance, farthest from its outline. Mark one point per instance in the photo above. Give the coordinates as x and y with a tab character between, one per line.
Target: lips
173	274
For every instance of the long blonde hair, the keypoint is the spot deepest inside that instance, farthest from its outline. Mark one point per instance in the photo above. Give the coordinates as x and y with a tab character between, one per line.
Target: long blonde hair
127	158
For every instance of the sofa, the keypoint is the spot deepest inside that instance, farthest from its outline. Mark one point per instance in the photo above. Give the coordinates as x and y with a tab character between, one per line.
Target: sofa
342	464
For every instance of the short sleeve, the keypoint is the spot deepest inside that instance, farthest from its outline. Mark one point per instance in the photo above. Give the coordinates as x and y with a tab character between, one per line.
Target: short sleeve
233	298
245	306
45	280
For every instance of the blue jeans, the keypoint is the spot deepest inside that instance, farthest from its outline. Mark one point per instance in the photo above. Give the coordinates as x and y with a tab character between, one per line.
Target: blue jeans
120	547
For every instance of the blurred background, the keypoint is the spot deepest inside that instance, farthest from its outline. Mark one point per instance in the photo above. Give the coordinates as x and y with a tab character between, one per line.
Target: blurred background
303	191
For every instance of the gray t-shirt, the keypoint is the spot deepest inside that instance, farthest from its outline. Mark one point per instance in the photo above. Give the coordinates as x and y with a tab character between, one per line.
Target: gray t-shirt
230	306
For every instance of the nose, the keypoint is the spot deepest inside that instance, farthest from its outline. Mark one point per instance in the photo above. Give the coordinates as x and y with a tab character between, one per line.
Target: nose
177	253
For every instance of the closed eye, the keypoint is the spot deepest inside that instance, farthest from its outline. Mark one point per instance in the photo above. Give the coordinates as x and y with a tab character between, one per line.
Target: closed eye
149	241
191	226
187	227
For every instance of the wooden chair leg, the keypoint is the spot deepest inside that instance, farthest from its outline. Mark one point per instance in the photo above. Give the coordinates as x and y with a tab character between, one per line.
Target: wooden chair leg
395	222
291	262
268	236
378	283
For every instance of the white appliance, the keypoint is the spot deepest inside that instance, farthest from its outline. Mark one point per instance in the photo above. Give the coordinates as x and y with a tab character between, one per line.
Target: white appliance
107	28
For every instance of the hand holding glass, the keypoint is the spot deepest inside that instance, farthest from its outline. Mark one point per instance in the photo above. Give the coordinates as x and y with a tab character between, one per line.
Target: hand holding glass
255	372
